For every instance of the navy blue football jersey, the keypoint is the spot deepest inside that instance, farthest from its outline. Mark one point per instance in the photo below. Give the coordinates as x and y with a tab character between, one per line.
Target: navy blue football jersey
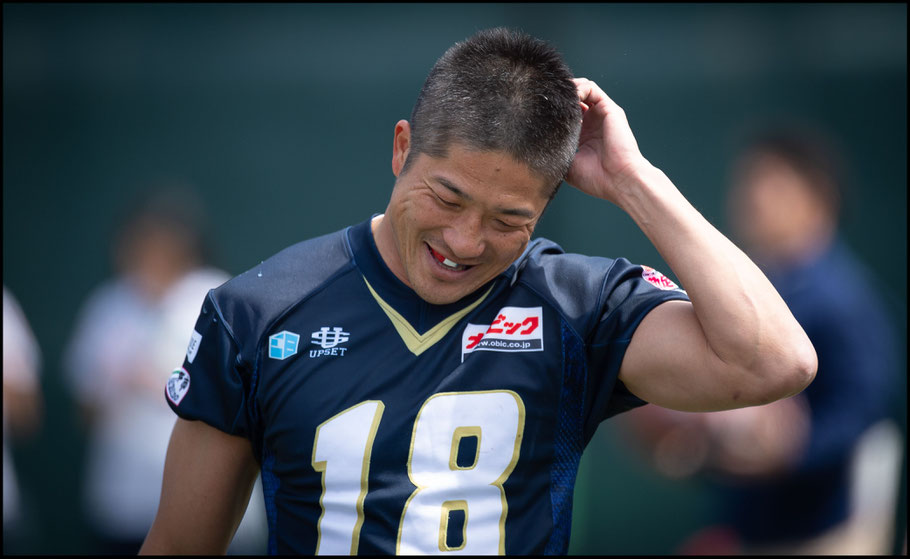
385	424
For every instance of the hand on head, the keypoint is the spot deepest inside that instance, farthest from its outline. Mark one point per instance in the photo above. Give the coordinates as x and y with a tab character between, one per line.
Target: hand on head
607	150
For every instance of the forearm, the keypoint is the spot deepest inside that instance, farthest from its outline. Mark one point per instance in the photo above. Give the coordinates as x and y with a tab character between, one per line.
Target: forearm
746	324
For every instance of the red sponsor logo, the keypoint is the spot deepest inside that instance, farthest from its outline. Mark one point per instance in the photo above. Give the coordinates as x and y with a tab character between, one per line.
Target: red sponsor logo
502	324
657	279
474	340
513	329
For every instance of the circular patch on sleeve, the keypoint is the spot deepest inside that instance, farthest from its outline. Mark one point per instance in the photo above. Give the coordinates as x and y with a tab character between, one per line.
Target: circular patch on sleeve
178	385
657	279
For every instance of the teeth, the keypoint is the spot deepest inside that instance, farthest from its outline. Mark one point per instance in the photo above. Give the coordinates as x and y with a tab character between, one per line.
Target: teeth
445	261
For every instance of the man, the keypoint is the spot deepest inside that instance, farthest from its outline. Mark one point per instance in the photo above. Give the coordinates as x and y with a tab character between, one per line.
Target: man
785	205
162	271
425	381
791	476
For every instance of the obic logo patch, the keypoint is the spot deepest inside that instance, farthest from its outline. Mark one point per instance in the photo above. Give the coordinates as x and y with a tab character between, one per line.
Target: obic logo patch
178	385
514	329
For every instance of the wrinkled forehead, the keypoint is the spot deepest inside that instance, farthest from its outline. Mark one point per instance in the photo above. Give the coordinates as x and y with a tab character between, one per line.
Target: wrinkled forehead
484	164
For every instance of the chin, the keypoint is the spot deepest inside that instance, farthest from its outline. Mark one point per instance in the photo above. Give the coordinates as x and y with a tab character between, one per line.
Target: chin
436	298
440	297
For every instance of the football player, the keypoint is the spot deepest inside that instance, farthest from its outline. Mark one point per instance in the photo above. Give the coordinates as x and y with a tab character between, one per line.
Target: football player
425	381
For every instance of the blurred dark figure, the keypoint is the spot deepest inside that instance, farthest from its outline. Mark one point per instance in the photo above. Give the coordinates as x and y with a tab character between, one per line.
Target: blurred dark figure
816	473
131	333
23	413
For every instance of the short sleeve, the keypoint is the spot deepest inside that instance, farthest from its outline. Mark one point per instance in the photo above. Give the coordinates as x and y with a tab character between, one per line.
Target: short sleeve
212	384
629	293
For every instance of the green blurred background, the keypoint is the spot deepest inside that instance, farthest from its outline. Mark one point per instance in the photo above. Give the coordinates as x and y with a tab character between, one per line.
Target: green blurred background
282	116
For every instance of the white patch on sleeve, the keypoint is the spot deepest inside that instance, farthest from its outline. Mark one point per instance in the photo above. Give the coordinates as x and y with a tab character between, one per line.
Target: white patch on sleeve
514	329
178	385
657	279
193	348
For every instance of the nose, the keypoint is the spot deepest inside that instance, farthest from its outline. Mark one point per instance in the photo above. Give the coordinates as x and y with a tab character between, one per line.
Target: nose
464	237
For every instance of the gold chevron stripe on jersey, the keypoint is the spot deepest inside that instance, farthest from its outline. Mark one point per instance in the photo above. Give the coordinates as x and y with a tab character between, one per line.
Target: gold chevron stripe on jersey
418	343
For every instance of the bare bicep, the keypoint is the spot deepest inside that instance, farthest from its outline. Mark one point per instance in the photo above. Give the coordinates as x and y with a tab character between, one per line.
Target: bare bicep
208	478
669	363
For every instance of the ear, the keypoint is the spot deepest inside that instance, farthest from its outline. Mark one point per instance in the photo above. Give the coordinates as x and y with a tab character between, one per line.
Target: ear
401	145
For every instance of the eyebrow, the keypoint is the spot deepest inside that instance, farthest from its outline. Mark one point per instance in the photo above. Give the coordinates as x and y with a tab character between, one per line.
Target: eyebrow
462	194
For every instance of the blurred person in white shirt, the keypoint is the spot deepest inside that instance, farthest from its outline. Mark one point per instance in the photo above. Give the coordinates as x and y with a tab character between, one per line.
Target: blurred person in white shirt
23	410
131	332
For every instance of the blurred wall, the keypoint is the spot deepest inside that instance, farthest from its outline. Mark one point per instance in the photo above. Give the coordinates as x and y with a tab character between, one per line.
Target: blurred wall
282	115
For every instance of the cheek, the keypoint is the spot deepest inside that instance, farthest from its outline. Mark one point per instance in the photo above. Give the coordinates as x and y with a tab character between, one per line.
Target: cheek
406	218
420	214
509	246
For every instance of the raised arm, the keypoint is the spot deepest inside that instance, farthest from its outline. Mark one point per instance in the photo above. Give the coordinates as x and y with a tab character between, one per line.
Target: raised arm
736	344
208	478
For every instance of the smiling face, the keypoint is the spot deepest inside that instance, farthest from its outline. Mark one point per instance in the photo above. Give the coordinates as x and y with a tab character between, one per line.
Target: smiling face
454	223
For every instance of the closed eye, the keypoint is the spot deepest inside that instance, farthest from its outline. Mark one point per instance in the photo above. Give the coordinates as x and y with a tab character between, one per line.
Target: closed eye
506	225
445	202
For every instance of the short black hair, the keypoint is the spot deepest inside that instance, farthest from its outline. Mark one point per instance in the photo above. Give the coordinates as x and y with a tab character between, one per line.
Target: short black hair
501	90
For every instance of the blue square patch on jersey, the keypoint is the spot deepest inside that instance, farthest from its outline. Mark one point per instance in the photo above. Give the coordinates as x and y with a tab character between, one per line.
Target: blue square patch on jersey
283	345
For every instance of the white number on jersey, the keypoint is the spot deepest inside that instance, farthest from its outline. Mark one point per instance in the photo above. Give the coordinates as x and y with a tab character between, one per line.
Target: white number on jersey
473	490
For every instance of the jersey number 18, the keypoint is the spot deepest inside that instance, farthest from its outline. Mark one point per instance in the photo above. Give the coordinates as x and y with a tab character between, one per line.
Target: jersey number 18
450	493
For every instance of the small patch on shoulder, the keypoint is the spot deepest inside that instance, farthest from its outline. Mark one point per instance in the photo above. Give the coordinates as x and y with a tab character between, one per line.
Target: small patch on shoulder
657	279
193	348
178	385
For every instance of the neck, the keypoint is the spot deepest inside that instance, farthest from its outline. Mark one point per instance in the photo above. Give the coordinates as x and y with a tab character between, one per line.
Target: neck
384	238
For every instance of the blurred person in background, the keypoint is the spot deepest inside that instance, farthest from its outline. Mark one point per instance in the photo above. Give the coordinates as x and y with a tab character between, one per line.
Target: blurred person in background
129	333
23	411
817	472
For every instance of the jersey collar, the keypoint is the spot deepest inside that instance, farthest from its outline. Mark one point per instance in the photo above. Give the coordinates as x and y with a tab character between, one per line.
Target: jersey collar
421	315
